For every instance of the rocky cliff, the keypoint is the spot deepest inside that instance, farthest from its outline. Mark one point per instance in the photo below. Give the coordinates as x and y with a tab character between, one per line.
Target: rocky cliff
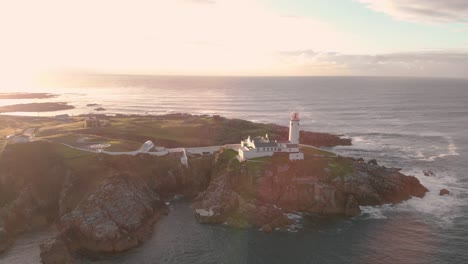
259	192
117	216
100	203
103	203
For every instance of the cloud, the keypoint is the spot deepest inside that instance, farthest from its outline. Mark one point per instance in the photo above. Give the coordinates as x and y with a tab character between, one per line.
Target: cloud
154	36
427	11
423	64
198	37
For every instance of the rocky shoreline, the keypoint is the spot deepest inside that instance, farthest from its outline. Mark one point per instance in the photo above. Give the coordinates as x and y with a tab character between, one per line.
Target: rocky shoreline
242	197
106	204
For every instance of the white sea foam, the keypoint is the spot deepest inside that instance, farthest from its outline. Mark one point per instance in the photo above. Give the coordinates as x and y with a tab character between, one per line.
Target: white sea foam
442	209
374	212
451	151
296	222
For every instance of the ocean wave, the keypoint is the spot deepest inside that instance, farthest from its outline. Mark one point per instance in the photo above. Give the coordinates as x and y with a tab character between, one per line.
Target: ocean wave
296	224
442	209
451	151
425	147
374	212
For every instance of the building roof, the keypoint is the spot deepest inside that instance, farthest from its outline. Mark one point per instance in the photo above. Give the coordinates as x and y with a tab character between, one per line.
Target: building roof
265	144
261	142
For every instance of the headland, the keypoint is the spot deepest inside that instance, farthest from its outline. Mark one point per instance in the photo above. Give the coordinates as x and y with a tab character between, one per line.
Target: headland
104	203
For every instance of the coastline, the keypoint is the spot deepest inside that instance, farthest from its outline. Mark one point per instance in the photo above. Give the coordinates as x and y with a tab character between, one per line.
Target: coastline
79	177
36	107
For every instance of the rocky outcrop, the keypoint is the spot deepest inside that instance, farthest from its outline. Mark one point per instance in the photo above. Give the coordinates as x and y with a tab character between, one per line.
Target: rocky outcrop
375	185
444	192
428	173
5	239
352	207
30	180
249	194
117	216
222	203
96	210
54	251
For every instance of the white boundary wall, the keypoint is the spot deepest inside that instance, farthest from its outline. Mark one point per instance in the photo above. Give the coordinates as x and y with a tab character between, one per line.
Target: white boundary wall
251	154
296	156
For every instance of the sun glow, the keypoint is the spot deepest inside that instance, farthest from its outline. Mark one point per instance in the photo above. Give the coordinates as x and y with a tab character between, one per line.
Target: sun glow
163	37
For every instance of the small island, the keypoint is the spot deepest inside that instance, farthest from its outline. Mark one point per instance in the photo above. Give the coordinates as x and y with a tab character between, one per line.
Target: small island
27	95
104	181
36	107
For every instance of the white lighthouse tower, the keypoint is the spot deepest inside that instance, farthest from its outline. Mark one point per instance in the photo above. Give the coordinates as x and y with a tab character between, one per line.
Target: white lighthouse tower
294	128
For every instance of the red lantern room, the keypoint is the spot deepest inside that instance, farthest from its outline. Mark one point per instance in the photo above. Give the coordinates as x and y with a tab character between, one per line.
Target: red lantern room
294	116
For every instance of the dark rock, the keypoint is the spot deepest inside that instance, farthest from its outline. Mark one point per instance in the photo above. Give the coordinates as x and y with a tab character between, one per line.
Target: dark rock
372	162
428	173
5	240
352	207
218	202
116	217
266	228
444	192
29	194
377	185
277	189
54	251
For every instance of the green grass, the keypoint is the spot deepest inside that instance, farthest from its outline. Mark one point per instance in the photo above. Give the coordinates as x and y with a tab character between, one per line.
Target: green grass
68	153
123	145
168	130
340	167
309	152
230	154
257	164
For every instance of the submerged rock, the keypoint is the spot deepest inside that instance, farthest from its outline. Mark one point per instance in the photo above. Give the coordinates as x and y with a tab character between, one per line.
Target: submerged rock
444	192
352	207
54	251
5	240
428	173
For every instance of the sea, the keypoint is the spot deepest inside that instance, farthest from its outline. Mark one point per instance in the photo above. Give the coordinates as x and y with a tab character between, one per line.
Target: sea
415	124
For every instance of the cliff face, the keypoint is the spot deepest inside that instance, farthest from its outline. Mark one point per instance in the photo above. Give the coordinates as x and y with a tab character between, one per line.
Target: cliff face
105	203
372	184
100	203
117	216
30	182
240	192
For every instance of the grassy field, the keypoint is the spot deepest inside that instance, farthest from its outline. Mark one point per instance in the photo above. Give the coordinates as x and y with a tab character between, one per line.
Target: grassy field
128	133
310	152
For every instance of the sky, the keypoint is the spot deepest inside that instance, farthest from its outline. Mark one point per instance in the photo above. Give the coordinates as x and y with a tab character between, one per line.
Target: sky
235	37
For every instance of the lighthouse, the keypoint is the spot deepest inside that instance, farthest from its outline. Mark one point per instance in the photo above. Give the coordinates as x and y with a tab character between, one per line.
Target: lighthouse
257	147
294	128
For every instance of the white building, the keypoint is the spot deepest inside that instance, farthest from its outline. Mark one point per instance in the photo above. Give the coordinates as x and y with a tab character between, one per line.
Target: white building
262	146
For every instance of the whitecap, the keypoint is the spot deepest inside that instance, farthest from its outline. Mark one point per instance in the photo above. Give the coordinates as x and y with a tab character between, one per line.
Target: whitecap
442	209
373	212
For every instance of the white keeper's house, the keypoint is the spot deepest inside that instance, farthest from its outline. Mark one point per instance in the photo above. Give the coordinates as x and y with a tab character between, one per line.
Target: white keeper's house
262	146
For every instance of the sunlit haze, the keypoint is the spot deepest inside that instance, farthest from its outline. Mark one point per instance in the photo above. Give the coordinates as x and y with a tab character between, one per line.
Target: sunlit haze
241	37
